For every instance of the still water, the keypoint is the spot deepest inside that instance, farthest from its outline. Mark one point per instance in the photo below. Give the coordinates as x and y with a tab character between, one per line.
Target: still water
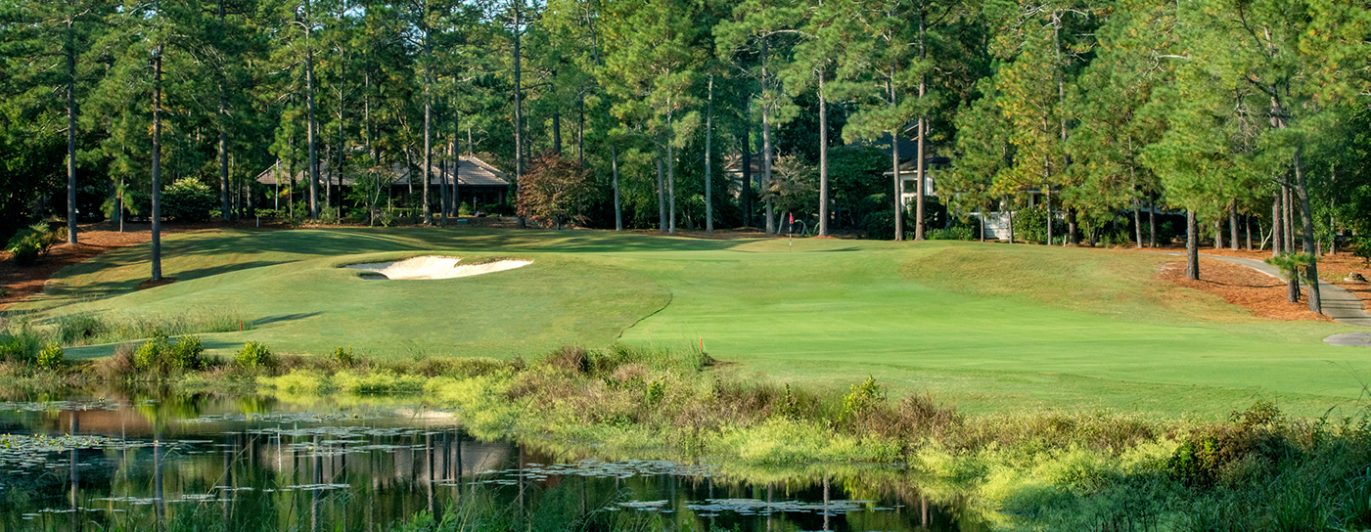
205	463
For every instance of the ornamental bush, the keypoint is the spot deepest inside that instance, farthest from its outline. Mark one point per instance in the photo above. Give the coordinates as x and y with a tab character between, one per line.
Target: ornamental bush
30	242
50	357
255	355
187	200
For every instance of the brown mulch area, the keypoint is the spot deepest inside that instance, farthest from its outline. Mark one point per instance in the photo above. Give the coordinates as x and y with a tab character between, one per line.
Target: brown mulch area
20	282
1333	268
1259	293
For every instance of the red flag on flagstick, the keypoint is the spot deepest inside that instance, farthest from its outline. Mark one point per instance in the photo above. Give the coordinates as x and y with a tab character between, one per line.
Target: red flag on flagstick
792	218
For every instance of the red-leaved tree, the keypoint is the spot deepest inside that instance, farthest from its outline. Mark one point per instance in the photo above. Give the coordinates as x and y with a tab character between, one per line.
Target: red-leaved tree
555	191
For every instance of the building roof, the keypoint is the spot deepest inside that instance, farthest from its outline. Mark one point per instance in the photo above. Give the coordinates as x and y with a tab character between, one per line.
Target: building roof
471	171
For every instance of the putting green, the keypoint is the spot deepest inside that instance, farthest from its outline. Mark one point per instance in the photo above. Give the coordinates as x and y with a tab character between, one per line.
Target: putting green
987	327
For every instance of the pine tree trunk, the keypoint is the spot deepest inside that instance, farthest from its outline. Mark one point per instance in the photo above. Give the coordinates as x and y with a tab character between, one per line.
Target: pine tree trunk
342	139
899	190
923	130
311	126
1233	227
661	195
1247	227
518	92
1192	246
428	115
557	132
444	180
456	149
671	188
1276	224
709	158
670	172
614	169
1047	189
895	165
1218	233
581	128
766	171
1137	223
1288	215
823	158
223	127
518	98
1152	224
766	148
70	52
745	194
1307	224
157	164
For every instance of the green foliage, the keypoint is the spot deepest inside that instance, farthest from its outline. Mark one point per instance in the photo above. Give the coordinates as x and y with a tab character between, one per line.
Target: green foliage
1363	249
73	329
344	357
188	200
1030	225
960	232
862	399
159	354
255	356
150	354
30	242
19	344
881	224
1292	264
52	356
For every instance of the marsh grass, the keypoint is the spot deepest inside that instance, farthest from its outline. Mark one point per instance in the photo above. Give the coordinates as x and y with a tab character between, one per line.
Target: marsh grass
86	328
1256	470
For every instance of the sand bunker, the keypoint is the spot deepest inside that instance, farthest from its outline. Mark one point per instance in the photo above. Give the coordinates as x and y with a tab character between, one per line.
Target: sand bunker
1359	339
434	267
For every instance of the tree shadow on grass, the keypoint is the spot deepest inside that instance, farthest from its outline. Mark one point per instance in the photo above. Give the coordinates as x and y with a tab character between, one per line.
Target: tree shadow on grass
281	318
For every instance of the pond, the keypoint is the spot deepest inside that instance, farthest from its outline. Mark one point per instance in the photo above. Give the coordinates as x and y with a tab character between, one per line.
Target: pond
252	463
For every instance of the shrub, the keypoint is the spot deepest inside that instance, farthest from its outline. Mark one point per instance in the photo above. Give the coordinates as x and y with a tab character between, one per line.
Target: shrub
951	233
19	346
1363	249
30	242
1246	447
186	353
344	357
76	328
159	354
50	357
187	200
149	355
862	398
1030	225
254	355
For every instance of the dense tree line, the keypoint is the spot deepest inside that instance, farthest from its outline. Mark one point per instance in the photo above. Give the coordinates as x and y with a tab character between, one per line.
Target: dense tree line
1092	117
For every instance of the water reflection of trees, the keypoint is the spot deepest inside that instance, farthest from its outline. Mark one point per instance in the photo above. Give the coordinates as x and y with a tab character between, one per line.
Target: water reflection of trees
260	476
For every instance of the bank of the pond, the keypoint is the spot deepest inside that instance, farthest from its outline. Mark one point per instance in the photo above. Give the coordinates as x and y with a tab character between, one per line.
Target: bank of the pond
1257	470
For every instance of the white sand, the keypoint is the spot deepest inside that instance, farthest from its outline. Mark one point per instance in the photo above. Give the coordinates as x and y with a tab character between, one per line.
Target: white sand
433	267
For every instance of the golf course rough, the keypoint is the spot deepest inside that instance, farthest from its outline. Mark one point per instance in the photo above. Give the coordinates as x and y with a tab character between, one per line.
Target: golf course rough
983	327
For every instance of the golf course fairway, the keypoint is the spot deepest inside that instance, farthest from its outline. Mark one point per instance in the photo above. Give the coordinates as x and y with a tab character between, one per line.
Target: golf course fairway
983	327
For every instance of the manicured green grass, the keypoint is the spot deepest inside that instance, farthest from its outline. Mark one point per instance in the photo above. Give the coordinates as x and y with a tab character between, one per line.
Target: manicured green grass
987	327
